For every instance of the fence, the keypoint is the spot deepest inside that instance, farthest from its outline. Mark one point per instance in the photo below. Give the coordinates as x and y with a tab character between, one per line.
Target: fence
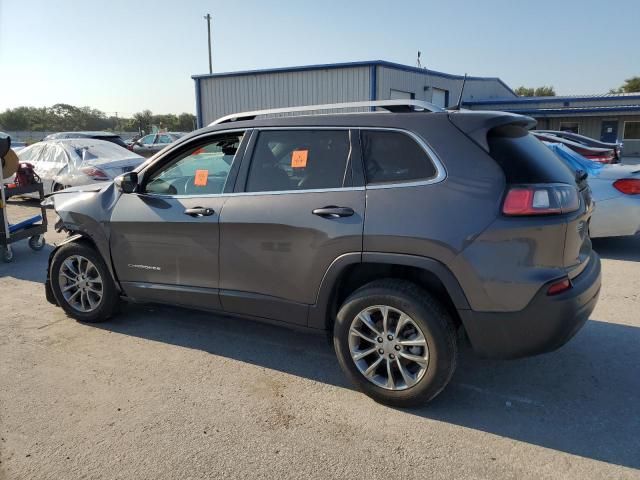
33	136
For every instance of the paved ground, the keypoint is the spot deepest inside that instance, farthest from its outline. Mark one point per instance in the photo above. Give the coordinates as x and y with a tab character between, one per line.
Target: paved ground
164	393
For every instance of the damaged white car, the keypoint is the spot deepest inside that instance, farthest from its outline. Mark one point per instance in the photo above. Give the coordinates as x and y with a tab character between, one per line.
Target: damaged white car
79	161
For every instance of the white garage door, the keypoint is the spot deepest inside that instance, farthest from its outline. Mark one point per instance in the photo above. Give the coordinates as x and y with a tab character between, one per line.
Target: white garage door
439	97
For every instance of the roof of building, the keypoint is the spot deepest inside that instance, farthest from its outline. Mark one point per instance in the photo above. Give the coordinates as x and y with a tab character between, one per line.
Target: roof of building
558	99
370	63
576	110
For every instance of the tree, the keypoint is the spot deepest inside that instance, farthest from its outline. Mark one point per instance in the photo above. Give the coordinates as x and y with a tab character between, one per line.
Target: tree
523	91
630	85
63	117
144	120
543	91
186	122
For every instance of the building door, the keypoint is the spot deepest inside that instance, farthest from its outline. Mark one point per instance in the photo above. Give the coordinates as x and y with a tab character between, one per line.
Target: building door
609	131
440	97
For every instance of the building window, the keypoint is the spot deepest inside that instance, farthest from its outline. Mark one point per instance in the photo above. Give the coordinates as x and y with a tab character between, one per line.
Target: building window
570	127
632	130
401	95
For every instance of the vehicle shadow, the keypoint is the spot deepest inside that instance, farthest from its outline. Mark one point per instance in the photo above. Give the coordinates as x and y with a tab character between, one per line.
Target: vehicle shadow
27	264
582	399
618	248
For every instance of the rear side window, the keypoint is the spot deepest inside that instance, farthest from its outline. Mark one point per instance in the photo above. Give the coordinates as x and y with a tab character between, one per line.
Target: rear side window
525	159
299	160
392	157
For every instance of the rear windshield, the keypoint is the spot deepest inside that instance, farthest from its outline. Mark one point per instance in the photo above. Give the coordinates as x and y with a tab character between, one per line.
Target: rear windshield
525	159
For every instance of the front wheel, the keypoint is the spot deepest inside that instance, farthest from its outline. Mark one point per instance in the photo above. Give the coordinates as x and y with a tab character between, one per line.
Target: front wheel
82	284
395	342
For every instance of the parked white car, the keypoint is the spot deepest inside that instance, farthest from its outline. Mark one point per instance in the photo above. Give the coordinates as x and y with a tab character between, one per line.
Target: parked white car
78	161
615	190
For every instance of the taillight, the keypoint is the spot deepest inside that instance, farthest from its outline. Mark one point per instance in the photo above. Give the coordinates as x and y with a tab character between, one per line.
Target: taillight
559	287
601	158
525	200
94	173
628	186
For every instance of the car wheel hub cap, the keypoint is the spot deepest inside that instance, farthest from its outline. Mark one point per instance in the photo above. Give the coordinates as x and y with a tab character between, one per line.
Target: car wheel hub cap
388	347
80	283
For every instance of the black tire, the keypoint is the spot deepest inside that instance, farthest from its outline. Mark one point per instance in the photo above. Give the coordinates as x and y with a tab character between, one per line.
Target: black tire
428	314
110	301
36	243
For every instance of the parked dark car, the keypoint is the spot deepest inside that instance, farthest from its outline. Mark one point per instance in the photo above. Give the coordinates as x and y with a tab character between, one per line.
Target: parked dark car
586	141
106	136
600	155
154	142
397	232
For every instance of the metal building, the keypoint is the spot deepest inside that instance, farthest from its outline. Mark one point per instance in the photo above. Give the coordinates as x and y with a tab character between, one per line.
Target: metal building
224	93
609	117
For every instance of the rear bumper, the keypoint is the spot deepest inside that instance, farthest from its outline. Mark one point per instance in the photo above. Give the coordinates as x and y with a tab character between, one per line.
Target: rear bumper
547	323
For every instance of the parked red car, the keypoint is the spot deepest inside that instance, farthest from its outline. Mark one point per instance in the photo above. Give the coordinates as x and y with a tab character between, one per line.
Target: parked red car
600	155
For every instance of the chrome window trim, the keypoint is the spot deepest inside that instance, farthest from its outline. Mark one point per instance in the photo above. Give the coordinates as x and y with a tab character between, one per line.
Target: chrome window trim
441	173
246	194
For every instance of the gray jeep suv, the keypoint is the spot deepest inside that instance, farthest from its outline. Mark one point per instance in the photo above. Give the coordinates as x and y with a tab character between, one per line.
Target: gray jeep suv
399	232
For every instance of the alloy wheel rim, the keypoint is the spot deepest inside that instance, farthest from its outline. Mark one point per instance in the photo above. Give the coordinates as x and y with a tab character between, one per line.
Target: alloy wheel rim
80	283
388	348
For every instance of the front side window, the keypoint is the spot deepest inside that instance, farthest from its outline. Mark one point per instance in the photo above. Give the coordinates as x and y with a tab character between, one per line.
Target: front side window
299	160
392	157
202	170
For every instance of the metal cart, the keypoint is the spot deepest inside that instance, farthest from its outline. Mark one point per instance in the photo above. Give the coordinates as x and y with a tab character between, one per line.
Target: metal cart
33	228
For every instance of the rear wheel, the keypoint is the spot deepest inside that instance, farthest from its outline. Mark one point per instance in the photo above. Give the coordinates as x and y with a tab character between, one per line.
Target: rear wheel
395	342
81	283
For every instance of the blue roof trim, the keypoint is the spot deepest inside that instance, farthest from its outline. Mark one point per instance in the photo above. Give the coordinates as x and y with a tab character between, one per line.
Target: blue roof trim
561	111
373	83
198	104
372	63
591	98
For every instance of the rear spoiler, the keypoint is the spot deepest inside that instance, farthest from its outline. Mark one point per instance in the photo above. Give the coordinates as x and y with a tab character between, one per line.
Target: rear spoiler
477	124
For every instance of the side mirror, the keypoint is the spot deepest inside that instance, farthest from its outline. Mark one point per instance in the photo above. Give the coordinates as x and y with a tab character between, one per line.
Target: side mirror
127	182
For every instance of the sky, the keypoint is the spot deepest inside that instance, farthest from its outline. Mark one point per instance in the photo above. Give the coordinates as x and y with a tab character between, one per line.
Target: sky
125	56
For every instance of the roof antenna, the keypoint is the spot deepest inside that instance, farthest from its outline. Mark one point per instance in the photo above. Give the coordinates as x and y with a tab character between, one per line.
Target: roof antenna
459	104
418	64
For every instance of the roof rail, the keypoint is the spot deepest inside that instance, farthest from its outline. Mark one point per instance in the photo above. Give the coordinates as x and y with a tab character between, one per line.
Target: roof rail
389	105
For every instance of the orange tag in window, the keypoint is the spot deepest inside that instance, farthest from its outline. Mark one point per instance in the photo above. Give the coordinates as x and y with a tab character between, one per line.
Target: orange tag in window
201	178
299	158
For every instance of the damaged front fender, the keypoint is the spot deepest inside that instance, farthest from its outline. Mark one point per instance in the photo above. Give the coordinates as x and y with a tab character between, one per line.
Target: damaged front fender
85	212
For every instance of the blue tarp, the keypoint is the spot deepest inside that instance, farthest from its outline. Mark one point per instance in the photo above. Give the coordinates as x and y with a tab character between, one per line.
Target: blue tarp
24	224
574	159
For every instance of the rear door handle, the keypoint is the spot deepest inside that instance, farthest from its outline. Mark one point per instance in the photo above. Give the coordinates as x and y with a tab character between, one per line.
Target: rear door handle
199	212
333	212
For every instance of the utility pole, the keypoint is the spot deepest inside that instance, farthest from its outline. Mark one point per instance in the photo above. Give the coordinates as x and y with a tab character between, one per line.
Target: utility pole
207	17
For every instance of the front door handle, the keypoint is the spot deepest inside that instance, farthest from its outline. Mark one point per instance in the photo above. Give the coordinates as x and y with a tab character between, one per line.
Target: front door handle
333	212
199	212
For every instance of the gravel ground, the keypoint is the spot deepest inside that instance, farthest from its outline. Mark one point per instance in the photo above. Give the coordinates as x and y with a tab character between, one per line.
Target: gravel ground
165	393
